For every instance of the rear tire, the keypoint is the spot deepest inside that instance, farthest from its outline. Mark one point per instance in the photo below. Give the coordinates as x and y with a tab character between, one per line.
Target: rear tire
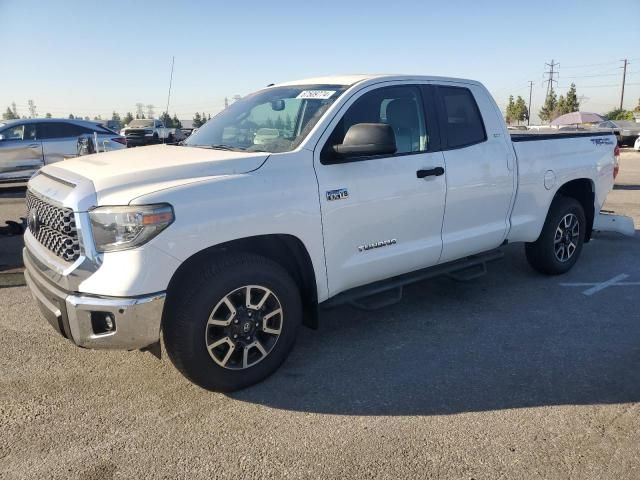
222	338
557	249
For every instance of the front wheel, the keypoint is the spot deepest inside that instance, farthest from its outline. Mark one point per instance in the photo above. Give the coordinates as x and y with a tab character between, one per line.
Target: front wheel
557	249
236	326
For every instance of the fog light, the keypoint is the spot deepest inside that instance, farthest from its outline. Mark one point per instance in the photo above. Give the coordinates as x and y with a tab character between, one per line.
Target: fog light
103	322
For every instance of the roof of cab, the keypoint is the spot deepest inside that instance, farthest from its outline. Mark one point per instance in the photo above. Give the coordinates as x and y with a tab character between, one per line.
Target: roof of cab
357	78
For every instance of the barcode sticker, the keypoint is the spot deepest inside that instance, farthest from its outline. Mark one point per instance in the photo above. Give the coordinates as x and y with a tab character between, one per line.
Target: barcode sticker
316	94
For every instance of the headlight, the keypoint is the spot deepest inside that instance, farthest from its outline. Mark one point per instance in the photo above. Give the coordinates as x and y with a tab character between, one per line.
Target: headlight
121	228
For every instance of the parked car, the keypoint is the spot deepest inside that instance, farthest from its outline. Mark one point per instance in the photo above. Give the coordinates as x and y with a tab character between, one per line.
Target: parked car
147	131
28	144
636	145
225	249
625	131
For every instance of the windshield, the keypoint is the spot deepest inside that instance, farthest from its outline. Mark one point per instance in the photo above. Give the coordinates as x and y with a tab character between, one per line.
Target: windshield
273	120
141	123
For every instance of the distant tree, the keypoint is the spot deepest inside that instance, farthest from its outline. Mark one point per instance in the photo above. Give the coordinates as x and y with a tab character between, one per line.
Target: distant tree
176	123
9	115
47	115
637	109
572	104
619	114
33	112
115	116
561	107
128	118
71	117
166	119
288	123
86	118
548	110
520	110
197	120
14	110
509	114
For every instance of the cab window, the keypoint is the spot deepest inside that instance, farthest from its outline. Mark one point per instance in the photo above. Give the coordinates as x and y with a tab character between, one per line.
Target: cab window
399	107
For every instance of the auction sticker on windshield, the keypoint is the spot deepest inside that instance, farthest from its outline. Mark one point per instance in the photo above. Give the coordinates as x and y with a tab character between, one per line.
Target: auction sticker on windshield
316	94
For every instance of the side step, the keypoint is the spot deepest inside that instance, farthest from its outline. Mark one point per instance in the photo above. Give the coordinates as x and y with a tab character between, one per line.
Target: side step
389	291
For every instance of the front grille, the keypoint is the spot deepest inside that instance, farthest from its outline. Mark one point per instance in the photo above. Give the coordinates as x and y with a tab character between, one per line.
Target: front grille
136	133
54	227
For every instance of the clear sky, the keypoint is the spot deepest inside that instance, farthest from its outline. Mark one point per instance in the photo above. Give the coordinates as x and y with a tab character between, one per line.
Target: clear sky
91	57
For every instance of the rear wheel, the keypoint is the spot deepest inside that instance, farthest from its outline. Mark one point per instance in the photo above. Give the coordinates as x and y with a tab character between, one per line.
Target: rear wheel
557	249
238	327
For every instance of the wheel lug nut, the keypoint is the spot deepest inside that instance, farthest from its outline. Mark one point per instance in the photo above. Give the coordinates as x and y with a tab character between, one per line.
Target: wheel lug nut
235	321
257	324
249	314
248	338
235	335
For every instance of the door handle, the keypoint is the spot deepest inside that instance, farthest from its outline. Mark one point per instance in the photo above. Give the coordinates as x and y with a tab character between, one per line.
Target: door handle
431	172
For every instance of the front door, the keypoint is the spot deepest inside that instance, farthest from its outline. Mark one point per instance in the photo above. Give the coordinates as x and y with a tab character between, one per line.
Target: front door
20	152
379	218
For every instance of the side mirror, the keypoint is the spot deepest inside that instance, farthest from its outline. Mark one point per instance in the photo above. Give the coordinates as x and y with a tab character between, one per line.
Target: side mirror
1	137
367	139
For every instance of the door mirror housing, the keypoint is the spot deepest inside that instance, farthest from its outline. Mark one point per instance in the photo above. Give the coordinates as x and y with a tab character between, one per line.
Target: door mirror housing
367	139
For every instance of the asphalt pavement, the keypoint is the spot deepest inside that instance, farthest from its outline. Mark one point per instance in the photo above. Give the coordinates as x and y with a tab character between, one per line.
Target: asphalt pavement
514	375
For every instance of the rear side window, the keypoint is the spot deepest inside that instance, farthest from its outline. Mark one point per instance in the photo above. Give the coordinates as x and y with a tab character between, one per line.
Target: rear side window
61	130
461	119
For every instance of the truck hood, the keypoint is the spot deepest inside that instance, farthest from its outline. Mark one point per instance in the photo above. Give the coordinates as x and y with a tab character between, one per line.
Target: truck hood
119	176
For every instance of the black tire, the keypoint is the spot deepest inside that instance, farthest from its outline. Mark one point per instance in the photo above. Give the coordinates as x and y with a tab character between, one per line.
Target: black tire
185	327
170	138
155	138
542	254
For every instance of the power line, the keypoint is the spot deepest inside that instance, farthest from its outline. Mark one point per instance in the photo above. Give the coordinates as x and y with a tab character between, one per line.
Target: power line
551	74
530	91
624	77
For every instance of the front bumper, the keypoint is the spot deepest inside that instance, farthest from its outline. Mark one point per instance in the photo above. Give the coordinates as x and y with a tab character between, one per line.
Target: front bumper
136	320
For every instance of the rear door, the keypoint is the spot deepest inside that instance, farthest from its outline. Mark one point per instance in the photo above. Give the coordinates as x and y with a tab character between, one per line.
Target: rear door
60	139
20	151
379	219
480	171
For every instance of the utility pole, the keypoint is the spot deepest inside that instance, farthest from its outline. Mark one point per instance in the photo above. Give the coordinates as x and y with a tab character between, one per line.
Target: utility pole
150	112
551	72
624	77
529	114
170	82
139	112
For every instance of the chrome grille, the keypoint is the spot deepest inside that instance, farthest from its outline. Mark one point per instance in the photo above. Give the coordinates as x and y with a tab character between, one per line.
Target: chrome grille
54	227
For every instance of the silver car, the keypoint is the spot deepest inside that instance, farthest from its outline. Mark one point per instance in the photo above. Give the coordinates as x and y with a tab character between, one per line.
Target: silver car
28	144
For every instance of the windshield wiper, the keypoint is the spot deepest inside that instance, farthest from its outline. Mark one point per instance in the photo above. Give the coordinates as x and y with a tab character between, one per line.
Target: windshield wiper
220	146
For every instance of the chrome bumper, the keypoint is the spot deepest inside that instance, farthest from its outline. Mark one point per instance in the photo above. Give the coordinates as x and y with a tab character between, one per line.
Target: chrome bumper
136	320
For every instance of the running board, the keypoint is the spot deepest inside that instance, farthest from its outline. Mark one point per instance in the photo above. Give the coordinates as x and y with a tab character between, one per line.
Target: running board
390	289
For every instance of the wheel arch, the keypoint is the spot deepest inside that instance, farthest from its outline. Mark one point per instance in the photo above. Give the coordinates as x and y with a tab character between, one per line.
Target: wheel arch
583	191
286	250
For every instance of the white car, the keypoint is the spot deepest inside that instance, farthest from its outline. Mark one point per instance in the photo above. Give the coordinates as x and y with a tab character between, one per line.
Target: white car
636	145
226	247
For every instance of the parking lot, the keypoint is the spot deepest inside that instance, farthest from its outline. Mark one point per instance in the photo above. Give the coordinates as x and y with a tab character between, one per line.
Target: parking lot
513	375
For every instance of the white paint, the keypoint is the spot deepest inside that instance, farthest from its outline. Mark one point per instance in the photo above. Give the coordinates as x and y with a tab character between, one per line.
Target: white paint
598	287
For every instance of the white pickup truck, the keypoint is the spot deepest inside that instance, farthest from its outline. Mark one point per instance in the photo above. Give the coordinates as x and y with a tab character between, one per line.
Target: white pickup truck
224	246
147	131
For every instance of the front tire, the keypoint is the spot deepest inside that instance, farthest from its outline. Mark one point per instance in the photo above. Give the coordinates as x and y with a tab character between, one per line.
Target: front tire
236	326
557	249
